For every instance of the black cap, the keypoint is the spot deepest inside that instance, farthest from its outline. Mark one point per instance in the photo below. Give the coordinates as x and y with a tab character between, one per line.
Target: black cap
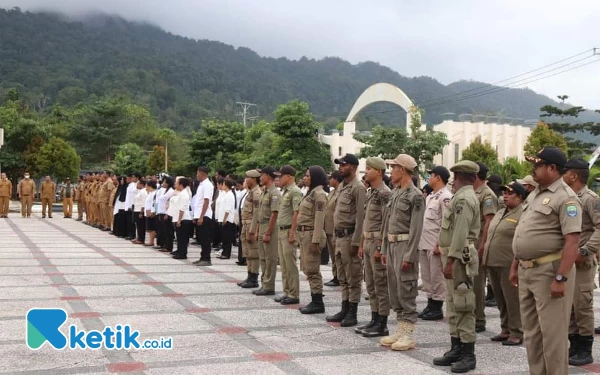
483	169
270	171
577	163
286	169
495	179
549	155
204	169
441	171
347	159
516	187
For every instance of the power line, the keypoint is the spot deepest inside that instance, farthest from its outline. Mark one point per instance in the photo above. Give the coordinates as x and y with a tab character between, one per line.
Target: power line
244	113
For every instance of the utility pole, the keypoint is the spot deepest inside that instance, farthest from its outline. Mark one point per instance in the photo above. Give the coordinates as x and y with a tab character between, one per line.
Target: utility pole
244	111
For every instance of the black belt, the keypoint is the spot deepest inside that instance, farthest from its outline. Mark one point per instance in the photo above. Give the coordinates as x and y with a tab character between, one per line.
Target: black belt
304	228
343	232
285	227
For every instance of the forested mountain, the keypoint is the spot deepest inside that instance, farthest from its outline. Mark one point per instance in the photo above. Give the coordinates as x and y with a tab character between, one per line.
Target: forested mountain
182	81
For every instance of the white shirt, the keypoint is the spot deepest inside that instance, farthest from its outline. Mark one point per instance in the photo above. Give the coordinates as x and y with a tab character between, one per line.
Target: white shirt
162	201
172	208
205	191
193	204
238	197
131	192
149	202
225	204
304	190
180	202
140	200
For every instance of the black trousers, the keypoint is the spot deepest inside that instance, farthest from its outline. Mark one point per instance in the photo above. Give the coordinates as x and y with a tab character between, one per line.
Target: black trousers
160	230
140	223
241	257
120	224
130	225
227	237
203	236
169	233
183	236
216	233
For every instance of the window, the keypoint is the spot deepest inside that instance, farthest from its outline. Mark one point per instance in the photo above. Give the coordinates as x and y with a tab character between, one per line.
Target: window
339	151
456	152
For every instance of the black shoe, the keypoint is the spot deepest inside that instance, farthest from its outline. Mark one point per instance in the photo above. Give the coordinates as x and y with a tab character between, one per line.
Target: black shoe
262	292
177	256
333	282
374	317
583	356
509	342
451	356
491	303
339	316
243	281
197	261
43	216
467	361
290	301
436	312
279	298
479	329
350	319
315	307
379	329
241	263
597	330
252	281
426	309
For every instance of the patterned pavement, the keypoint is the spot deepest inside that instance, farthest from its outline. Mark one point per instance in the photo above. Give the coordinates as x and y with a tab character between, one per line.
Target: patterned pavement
216	326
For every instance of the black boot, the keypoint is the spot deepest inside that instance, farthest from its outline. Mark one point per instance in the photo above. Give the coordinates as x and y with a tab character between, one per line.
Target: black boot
252	281
597	330
583	356
467	361
242	282
451	356
350	319
333	282
573	344
427	309
316	306
339	316
436	312
374	316
379	329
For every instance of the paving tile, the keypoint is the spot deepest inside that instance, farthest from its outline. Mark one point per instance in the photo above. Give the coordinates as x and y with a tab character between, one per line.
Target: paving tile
132	305
16	308
29	292
202	288
23	280
159	323
51	361
116	290
90	269
95	279
254	368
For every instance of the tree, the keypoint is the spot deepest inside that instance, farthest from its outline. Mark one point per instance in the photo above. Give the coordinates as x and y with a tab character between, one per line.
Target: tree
513	169
483	152
59	159
130	158
543	136
216	144
156	160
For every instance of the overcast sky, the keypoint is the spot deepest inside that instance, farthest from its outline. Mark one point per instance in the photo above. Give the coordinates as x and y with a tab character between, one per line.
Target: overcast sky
449	40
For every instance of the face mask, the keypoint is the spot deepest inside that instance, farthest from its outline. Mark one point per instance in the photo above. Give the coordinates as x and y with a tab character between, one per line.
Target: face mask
26	176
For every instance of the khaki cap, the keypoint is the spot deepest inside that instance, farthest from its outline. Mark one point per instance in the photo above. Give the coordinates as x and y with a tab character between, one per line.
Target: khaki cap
403	160
377	163
528	180
253	173
465	166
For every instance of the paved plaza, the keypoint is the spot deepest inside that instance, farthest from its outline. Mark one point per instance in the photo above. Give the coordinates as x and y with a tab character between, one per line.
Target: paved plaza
216	326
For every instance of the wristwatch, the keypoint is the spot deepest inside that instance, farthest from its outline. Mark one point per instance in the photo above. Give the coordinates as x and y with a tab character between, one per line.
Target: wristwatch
583	251
560	278
377	248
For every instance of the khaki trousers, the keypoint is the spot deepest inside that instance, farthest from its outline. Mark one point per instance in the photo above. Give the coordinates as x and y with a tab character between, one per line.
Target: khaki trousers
67	207
376	279
432	275
289	268
267	253
26	202
80	209
310	263
331	249
47	204
4	205
402	285
349	269
582	315
507	297
545	319
460	303
479	290
250	249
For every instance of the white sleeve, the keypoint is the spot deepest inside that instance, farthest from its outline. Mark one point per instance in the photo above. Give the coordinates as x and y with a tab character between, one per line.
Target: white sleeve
149	201
184	202
230	203
198	203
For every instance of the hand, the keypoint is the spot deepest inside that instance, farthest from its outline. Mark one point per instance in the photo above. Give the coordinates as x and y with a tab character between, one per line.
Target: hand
292	237
449	269
315	248
407	266
251	237
557	290
194	221
353	250
377	256
513	277
141	216
436	251
383	260
200	221
580	260
267	238
361	252
179	224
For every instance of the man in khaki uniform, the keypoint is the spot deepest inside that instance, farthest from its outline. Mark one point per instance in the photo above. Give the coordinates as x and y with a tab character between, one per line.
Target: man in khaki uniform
287	221
106	192
581	329
5	193
250	227
488	206
79	192
401	232
429	253
546	245
47	194
66	194
370	250
348	222
26	192
334	182
460	229
98	216
268	232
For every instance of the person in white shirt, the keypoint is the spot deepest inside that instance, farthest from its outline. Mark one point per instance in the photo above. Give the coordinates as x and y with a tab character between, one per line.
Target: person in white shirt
240	193
179	205
131	193
165	220
159	232
225	215
139	202
150	212
203	215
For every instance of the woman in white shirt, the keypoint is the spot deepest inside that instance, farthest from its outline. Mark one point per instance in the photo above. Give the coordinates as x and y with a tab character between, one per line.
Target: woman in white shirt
179	206
120	219
166	235
225	215
139	202
150	212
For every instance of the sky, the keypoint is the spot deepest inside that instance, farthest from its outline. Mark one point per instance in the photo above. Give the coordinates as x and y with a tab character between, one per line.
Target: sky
487	41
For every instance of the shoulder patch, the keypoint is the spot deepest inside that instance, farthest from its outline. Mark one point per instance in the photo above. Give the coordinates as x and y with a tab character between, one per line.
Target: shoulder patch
488	202
458	210
320	206
571	210
597	207
446	200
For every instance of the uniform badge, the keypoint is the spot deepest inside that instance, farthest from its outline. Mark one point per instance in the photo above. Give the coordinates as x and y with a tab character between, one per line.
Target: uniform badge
458	210
488	202
320	206
546	201
597	207
418	206
572	210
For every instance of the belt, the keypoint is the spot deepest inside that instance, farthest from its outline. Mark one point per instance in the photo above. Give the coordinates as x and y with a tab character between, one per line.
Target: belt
285	227
246	221
343	232
397	237
532	263
372	235
304	228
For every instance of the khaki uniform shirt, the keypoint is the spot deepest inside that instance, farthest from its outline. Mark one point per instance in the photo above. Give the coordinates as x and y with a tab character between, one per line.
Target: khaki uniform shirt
330	210
48	190
289	203
106	191
549	215
434	210
311	212
350	208
488	205
404	215
460	222
269	203
250	209
26	187
498	250
5	188
590	233
376	200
